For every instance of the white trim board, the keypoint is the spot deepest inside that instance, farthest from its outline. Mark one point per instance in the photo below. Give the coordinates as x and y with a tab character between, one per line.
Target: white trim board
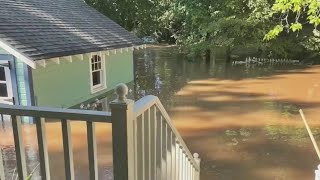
17	54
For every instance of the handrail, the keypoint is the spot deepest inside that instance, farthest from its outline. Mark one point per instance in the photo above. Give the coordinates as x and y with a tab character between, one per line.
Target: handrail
145	103
146	145
56	113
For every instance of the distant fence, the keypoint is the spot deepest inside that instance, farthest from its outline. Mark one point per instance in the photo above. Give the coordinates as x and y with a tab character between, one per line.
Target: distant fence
264	61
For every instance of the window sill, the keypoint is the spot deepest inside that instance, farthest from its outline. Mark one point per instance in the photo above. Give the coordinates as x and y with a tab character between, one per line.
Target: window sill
97	89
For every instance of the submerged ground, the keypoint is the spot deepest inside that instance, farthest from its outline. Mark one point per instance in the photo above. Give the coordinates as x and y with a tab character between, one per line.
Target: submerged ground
243	121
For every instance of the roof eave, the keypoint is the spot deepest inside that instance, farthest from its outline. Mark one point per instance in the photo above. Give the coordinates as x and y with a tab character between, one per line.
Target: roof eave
17	54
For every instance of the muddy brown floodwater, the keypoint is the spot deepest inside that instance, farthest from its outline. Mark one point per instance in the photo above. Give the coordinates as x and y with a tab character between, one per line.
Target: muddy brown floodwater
242	120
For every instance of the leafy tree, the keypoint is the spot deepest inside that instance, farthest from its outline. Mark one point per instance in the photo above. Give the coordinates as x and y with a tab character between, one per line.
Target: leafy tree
293	14
204	24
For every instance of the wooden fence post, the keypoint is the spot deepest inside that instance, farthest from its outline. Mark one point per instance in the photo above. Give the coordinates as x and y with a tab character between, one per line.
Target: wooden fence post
122	135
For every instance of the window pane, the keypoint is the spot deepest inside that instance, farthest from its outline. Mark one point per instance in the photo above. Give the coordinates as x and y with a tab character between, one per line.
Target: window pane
96	66
96	79
92	67
99	65
2	74
3	90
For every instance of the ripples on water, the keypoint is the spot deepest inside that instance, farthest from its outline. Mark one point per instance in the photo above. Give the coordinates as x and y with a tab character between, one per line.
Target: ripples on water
242	120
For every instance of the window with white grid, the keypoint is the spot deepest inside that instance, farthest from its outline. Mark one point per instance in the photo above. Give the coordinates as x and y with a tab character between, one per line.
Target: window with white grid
97	73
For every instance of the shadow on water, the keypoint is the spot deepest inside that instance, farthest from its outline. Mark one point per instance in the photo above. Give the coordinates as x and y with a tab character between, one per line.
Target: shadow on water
242	120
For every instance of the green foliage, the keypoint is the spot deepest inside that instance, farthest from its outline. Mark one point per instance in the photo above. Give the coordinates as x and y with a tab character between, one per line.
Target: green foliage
292	14
204	24
273	33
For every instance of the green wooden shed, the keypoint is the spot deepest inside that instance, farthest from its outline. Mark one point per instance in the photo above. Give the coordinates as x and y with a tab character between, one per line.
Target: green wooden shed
60	53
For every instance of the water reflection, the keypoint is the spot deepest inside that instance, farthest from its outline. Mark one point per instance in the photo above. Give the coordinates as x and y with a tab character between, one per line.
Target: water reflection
242	120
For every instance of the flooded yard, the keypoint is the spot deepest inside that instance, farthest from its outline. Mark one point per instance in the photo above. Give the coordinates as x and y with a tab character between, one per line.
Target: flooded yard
242	120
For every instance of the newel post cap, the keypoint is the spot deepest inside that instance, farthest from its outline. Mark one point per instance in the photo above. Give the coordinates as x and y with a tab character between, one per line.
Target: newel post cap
122	92
121	102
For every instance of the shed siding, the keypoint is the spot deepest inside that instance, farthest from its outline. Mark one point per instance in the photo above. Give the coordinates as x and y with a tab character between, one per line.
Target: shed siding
21	82
68	83
22	86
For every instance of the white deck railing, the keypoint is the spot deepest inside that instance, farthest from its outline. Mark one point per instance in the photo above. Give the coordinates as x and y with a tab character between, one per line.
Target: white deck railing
160	150
146	145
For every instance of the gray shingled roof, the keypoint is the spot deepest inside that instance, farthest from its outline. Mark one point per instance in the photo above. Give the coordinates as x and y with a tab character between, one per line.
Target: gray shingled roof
41	29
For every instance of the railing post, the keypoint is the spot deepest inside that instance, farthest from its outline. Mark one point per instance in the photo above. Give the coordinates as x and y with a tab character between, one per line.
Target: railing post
1	166
197	172
317	173
122	135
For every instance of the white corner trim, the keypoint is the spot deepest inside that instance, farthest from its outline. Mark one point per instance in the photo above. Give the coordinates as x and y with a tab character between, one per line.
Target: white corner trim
17	54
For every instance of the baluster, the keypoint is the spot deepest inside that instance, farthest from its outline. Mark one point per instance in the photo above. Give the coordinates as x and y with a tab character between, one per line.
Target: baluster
19	147
164	149
153	140
135	139
140	154
159	147
197	171
43	149
1	166
181	163
177	160
184	165
173	156
67	149
192	172
146	145
189	168
92	150
169	152
317	173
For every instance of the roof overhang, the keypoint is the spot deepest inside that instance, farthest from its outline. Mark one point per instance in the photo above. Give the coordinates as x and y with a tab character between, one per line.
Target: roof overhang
17	54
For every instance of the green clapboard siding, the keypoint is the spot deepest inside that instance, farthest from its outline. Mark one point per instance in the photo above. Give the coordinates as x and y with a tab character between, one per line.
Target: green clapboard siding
68	83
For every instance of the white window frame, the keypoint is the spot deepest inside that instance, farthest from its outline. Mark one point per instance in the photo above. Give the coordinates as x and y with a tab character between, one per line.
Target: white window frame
103	84
8	82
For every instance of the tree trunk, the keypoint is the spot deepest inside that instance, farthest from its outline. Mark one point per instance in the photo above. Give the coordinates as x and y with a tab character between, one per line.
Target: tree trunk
228	55
207	55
